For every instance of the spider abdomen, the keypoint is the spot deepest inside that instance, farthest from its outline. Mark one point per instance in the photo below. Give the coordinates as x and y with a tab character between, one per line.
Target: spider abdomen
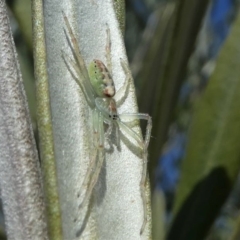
101	79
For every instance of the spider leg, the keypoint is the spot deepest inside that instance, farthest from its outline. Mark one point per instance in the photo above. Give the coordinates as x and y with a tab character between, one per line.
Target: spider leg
108	50
100	156
108	130
77	55
117	136
77	76
129	117
121	94
132	117
129	132
75	46
142	188
94	158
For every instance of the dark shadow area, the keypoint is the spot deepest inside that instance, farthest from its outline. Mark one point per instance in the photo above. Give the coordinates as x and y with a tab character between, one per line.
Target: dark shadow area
85	220
200	209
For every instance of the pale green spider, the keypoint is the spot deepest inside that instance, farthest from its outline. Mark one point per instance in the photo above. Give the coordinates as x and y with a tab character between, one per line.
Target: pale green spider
98	88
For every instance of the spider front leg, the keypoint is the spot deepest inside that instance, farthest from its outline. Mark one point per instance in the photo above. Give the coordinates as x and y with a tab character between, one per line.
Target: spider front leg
130	117
144	145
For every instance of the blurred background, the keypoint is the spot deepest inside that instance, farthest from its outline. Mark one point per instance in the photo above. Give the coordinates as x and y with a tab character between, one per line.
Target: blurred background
185	59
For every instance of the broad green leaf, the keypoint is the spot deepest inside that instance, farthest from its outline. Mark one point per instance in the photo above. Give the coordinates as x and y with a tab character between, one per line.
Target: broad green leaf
213	154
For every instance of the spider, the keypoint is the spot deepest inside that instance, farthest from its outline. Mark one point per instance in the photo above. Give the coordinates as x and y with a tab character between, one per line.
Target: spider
98	88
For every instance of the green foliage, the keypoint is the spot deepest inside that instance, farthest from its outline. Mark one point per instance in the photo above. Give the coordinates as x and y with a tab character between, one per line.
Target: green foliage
213	154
